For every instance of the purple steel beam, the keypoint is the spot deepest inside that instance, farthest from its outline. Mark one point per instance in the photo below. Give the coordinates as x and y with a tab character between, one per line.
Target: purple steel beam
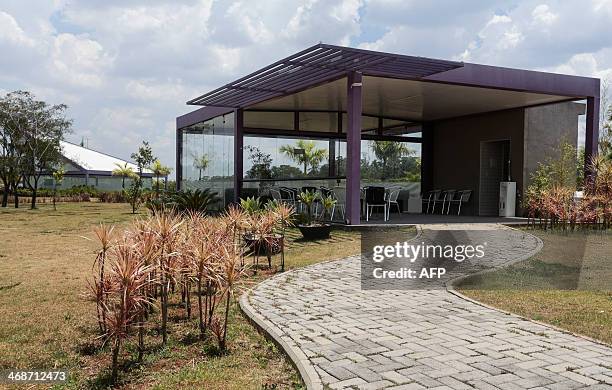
239	99
238	152
271	69
353	148
201	114
591	143
290	81
391	55
494	77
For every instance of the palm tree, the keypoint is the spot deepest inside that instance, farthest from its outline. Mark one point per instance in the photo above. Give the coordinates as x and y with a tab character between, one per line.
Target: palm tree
159	171
200	163
123	171
389	152
306	153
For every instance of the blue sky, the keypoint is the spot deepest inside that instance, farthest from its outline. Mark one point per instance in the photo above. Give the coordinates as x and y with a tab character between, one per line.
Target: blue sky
127	67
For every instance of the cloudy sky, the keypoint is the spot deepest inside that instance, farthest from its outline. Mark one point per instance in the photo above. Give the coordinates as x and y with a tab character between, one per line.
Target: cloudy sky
127	67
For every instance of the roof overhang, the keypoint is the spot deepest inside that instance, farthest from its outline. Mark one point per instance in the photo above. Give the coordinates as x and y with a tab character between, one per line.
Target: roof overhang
394	86
316	65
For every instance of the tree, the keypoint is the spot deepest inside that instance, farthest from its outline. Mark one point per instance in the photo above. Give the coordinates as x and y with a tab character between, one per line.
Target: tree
58	176
261	163
389	154
159	171
200	163
134	194
605	143
143	158
305	153
11	144
285	172
605	119
35	129
124	171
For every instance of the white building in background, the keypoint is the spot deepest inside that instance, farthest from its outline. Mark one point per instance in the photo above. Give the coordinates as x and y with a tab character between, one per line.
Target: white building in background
87	167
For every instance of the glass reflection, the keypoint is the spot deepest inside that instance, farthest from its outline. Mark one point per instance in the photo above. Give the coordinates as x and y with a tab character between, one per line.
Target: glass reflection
207	160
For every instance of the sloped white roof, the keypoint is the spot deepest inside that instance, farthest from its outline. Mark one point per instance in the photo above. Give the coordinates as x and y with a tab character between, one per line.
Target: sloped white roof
92	160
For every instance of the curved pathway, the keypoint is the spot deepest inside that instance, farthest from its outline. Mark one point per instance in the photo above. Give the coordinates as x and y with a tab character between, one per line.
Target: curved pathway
340	336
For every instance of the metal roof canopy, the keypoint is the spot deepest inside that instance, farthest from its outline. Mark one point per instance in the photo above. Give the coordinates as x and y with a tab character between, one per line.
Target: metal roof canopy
315	65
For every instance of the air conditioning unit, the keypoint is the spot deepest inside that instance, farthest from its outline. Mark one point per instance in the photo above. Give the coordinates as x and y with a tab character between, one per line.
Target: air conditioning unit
507	199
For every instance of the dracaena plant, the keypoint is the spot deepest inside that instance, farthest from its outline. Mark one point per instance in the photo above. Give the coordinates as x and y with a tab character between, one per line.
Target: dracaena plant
140	269
104	234
308	198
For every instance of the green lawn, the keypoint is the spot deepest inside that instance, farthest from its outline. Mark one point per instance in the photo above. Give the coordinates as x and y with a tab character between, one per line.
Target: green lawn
46	258
568	284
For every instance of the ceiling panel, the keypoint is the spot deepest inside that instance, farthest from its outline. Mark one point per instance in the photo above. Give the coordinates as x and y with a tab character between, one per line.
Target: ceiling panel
409	99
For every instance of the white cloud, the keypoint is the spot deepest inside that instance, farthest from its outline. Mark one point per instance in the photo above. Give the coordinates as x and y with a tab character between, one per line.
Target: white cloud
10	31
153	90
511	38
79	61
498	19
542	14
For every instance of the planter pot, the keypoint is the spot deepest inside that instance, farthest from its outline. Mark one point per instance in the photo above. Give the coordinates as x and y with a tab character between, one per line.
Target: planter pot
315	232
271	244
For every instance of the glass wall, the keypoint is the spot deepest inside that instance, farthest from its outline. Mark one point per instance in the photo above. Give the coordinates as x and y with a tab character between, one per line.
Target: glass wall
207	159
291	162
272	162
393	164
287	160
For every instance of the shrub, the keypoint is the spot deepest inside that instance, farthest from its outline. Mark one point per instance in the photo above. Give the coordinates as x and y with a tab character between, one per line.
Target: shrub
190	201
112	197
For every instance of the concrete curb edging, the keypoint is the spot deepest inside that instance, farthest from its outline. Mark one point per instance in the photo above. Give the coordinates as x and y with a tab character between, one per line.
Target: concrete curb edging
296	356
450	287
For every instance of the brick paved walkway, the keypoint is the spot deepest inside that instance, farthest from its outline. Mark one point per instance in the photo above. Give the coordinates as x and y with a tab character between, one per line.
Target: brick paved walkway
341	336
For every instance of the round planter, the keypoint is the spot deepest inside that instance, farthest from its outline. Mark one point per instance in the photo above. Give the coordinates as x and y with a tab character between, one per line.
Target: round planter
261	246
315	232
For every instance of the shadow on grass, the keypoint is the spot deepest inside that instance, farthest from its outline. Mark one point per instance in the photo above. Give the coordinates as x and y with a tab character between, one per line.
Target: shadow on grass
531	275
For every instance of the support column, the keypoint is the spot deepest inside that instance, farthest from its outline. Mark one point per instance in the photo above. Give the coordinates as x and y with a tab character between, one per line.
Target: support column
238	152
179	158
331	160
591	143
427	157
353	148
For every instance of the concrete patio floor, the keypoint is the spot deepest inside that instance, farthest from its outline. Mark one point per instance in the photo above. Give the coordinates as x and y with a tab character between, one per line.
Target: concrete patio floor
428	219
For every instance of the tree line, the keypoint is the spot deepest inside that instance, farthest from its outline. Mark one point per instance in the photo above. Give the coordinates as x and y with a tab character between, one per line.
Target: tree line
30	135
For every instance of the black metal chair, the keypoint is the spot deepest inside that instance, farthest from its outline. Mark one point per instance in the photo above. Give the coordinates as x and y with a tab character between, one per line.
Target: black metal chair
375	197
392	196
431	198
464	197
448	197
309	189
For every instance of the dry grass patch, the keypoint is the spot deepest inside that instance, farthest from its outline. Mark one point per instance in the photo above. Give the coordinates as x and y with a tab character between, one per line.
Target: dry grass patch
45	323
